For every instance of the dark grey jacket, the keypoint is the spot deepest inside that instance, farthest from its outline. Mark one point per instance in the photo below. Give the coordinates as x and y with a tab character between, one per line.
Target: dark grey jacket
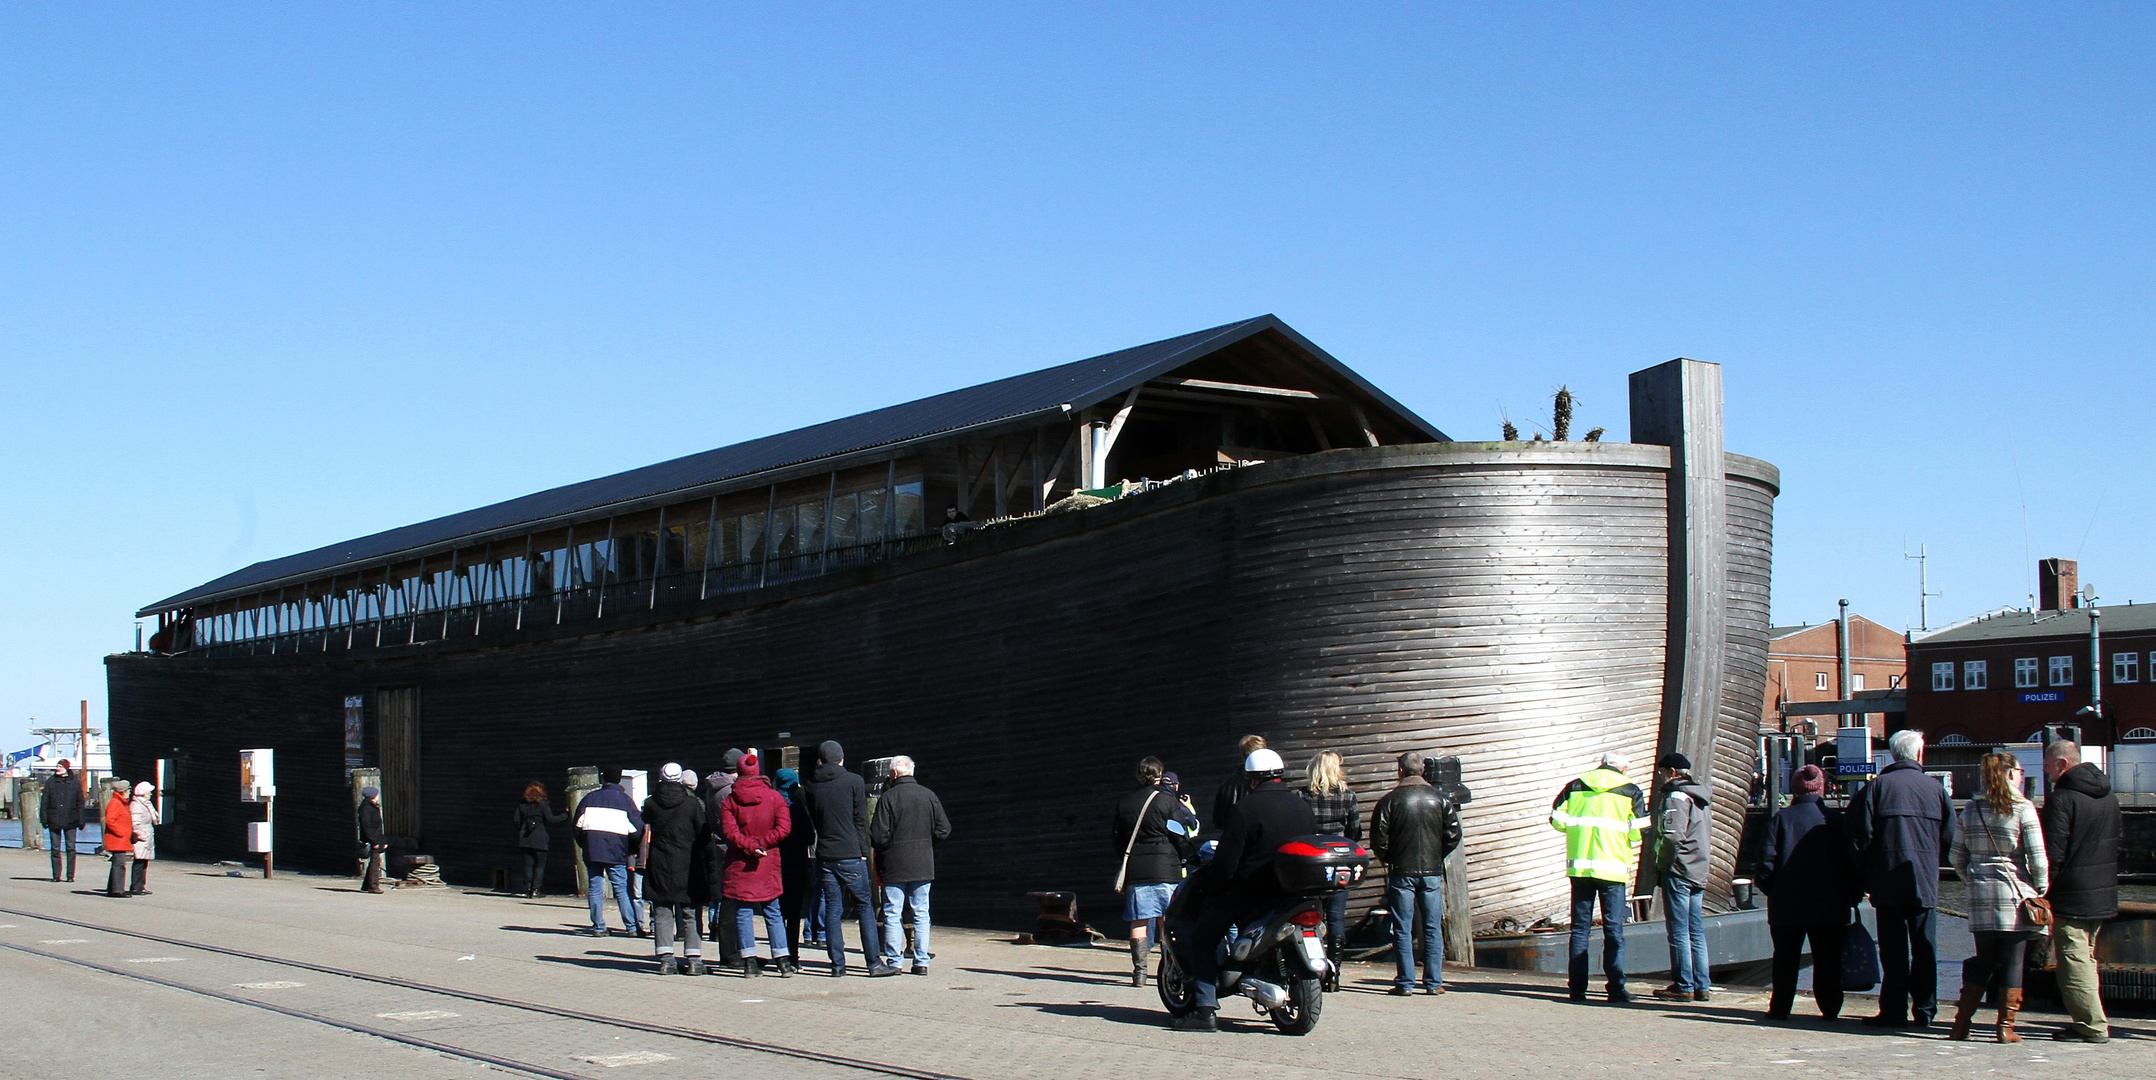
1682	828
1899	827
1805	870
2082	833
909	824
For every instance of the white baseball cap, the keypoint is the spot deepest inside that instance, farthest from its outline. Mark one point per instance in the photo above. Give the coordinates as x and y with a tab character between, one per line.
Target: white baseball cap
1262	760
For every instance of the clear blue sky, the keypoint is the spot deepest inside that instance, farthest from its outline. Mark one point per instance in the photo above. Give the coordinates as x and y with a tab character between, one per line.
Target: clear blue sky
276	275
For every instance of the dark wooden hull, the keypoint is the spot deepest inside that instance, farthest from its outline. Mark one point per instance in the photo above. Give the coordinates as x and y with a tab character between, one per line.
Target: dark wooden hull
1502	603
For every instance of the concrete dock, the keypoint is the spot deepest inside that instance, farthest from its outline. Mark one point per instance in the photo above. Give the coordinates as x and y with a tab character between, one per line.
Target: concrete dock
455	983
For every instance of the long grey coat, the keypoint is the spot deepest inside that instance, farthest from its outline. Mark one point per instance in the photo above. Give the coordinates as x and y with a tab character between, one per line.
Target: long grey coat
2001	859
145	828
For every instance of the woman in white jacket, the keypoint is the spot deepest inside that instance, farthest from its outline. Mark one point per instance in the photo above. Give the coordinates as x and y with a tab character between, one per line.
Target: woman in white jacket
145	813
1999	853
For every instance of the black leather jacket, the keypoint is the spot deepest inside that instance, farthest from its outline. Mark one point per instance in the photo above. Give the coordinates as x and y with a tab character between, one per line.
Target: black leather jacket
1413	828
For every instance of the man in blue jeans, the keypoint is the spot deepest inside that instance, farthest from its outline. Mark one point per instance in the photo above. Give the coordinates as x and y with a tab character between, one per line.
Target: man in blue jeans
1412	829
1603	815
838	808
610	828
909	824
1681	827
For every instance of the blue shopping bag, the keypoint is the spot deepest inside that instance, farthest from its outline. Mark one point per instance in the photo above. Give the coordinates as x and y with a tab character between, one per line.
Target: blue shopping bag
1860	958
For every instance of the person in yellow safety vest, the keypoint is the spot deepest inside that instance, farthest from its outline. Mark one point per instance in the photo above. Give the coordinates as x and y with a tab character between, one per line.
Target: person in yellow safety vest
1602	814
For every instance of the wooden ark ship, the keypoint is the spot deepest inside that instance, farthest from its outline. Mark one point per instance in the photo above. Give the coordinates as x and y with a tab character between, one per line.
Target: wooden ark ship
1325	568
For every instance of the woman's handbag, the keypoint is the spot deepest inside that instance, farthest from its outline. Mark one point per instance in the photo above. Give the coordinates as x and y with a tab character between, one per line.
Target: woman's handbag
2036	911
1123	870
1860	958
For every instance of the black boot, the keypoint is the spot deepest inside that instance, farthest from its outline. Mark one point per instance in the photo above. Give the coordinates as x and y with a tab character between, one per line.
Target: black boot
668	965
1196	1020
752	966
696	965
1140	948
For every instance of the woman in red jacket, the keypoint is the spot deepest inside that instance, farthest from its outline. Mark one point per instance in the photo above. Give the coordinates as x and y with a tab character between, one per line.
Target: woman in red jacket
119	841
754	819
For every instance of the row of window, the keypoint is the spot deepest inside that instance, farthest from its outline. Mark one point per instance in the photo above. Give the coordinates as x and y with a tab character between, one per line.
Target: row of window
1976	674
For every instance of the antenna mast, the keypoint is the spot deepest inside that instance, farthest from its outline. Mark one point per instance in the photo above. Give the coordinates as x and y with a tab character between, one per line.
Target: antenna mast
1923	584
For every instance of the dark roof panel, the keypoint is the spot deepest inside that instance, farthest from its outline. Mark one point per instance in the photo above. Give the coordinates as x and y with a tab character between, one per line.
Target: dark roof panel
1078	385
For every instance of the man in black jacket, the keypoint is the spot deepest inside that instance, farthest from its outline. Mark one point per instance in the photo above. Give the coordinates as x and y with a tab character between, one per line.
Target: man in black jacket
373	841
2082	833
838	807
1412	829
673	823
60	808
1898	826
1241	881
909	823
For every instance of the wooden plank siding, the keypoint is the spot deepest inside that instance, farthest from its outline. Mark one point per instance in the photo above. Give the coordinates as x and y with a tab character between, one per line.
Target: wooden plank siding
1503	602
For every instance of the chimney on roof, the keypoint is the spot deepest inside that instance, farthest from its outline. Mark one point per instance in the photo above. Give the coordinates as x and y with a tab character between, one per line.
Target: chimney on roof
2058	584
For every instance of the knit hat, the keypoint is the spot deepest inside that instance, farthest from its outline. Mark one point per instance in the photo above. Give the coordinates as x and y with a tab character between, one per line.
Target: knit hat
1678	762
1810	780
370	792
787	778
830	752
671	772
748	765
143	789
732	761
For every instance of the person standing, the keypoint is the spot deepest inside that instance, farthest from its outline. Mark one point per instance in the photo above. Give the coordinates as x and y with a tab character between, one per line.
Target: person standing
60	808
1339	813
373	840
533	817
1899	826
2082	836
1681	827
719	911
838	805
1412	829
1242	880
609	827
119	839
909	823
1810	886
1602	815
144	809
797	862
756	820
673	824
1152	857
1999	854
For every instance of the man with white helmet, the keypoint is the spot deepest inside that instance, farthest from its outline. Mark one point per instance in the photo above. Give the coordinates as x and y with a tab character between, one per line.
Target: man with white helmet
1240	880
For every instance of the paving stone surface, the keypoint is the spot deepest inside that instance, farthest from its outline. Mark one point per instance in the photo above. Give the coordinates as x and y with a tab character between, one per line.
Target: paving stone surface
991	1009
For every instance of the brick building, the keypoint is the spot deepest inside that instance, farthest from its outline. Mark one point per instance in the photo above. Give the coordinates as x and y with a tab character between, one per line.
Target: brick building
1802	666
2003	678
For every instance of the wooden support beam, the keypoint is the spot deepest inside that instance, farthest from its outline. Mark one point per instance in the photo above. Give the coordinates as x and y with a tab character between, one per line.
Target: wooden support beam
1055	472
1034	452
1363	421
995	461
1242	388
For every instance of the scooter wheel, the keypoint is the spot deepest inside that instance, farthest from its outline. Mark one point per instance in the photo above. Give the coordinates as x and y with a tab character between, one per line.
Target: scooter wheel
1178	991
1306	997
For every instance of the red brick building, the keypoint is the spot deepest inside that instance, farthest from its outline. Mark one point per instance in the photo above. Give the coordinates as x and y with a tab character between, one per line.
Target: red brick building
1802	666
2002	678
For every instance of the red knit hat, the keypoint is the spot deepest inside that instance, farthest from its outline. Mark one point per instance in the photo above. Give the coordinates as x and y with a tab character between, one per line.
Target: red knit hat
748	765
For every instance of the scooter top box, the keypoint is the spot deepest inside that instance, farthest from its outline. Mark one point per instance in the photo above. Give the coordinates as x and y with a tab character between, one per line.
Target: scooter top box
1319	864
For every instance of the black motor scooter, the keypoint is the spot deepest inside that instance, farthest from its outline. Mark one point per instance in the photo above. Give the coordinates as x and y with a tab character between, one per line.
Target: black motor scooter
1277	960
